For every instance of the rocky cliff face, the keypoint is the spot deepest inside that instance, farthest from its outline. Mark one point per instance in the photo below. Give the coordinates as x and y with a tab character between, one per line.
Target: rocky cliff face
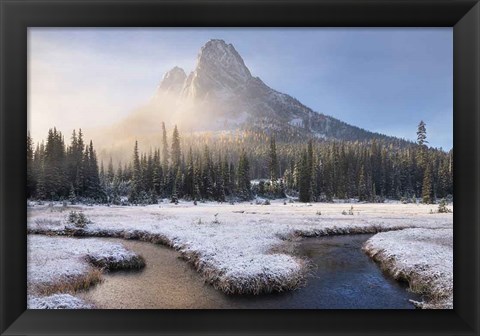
173	81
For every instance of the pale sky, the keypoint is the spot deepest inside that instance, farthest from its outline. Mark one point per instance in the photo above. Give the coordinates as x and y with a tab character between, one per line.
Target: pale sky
382	79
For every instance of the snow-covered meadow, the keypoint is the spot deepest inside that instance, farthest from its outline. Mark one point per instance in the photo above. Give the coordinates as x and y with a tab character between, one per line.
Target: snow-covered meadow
237	248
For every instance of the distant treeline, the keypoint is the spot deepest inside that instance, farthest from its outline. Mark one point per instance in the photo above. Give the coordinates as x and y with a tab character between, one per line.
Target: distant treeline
221	170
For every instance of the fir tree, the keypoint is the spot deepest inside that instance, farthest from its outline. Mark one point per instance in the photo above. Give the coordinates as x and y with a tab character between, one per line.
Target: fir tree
137	176
422	133
243	176
362	186
165	154
273	160
189	182
30	168
304	183
427	191
157	178
207	175
176	151
93	187
110	171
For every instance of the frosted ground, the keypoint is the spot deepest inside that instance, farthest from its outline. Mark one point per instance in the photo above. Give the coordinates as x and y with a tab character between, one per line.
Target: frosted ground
57	264
423	257
238	248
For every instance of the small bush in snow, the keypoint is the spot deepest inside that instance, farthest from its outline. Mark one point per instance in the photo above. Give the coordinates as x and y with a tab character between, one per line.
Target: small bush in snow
266	202
350	212
442	207
215	221
78	219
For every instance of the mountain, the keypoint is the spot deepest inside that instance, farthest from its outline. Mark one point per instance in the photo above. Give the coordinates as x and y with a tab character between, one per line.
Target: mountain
222	94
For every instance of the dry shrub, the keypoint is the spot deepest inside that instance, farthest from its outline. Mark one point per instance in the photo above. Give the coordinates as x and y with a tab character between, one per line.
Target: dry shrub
70	284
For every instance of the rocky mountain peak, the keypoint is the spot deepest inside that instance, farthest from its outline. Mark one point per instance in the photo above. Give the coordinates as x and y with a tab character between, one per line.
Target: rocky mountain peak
220	70
173	80
220	55
221	94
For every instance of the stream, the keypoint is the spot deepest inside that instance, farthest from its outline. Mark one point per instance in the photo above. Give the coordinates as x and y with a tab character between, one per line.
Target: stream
343	277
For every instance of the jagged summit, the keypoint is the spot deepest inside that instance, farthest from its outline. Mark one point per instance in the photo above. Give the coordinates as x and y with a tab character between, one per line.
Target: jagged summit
220	70
173	81
221	93
216	54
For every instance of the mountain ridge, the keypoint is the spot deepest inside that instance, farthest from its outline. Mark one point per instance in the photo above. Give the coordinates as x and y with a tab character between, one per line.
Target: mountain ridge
222	84
221	97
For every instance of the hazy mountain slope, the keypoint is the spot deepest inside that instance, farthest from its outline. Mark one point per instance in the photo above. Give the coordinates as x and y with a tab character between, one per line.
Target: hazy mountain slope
222	95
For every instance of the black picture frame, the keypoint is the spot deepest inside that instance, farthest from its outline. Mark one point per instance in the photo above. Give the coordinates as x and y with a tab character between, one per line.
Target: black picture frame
17	15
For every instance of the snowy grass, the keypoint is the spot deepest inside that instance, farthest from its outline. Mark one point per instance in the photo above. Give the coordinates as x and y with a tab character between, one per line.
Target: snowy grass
236	253
66	265
57	301
422	257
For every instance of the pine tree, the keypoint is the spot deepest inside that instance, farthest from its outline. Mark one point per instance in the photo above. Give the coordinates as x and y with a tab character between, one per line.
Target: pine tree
177	187
148	174
157	174
72	197
55	179
93	187
243	176
311	169
30	168
197	180
232	178
207	175
219	182
427	191
362	186
165	154
227	188
189	176
136	177
422	141
273	160
110	171
304	183
422	133
176	151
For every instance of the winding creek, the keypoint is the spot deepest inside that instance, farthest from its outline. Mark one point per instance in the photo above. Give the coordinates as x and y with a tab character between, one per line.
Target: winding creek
342	277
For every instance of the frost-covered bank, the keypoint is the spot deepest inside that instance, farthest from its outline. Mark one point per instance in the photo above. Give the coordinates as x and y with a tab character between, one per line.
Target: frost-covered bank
423	257
65	265
232	246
